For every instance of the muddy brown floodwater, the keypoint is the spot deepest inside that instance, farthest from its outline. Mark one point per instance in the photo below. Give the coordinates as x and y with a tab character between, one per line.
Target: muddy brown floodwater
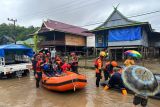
22	93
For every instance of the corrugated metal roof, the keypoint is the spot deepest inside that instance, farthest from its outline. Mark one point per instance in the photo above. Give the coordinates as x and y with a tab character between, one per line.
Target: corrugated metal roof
62	27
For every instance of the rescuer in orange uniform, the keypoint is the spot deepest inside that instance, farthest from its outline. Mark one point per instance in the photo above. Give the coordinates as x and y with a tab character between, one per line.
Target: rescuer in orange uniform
98	66
74	62
129	61
108	70
38	74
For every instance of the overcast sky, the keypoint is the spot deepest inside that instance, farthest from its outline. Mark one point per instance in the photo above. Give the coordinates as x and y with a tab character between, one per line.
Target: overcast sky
76	12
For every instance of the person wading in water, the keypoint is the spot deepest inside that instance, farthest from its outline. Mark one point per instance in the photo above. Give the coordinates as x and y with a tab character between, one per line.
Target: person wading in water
98	66
38	74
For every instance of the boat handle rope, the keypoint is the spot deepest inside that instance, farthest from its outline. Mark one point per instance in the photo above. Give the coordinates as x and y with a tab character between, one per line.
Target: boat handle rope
74	83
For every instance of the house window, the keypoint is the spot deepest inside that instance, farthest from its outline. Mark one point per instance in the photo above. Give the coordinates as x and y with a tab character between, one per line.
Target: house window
99	39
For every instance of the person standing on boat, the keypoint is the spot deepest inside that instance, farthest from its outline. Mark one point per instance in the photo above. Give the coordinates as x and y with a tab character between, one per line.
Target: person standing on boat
74	62
65	67
98	66
38	74
53	54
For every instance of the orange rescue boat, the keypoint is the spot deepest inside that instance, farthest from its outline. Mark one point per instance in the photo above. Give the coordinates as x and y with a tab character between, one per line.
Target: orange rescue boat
70	81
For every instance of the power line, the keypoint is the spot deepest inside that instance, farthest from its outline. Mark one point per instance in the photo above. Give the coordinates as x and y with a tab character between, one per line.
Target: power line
55	8
143	14
61	10
81	2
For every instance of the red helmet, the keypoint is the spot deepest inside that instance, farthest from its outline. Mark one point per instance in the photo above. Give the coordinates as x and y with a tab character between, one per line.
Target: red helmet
40	53
48	54
72	54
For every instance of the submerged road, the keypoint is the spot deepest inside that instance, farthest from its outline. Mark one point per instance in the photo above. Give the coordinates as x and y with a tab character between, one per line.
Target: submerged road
22	93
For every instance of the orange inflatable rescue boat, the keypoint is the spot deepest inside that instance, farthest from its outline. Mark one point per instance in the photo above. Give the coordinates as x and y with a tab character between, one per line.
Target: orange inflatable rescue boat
69	81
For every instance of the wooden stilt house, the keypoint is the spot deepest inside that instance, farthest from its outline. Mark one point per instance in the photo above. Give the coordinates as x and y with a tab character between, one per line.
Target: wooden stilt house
63	37
118	34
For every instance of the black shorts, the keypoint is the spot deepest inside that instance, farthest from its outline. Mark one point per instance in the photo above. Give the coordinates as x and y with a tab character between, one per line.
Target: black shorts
140	100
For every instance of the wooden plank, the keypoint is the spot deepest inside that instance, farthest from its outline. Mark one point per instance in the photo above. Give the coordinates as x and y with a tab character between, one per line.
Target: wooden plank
75	40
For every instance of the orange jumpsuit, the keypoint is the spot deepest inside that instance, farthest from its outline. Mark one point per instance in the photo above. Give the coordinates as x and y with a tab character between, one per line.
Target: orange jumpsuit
98	65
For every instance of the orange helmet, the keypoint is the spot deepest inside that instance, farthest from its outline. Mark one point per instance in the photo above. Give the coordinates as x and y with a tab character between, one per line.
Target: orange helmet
114	63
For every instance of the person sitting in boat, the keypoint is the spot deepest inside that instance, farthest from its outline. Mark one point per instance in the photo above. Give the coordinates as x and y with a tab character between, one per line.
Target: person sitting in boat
65	66
48	69
108	70
58	60
74	62
48	58
129	61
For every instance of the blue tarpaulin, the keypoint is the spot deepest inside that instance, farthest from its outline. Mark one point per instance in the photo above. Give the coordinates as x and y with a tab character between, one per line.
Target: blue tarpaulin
15	49
125	34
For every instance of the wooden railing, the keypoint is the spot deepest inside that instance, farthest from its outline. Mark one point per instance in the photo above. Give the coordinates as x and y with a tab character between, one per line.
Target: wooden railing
52	42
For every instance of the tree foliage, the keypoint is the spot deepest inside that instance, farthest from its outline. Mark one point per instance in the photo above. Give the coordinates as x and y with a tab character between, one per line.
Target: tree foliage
21	32
35	43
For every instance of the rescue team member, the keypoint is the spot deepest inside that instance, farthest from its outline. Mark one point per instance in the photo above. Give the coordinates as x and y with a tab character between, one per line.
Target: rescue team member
74	62
48	58
58	61
34	62
38	70
109	69
116	80
98	66
129	61
65	66
48	69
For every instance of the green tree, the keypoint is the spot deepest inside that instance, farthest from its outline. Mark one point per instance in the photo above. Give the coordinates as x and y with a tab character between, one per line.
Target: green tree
35	38
21	32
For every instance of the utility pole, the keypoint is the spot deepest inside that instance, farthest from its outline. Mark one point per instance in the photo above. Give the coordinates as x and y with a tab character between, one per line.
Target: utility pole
14	29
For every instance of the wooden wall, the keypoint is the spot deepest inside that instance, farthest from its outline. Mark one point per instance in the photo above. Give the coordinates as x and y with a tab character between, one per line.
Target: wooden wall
75	40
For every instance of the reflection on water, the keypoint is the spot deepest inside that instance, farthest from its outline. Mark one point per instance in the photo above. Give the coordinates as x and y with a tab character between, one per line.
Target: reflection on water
22	93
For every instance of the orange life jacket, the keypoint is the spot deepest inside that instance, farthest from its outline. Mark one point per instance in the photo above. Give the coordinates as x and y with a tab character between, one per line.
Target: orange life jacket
98	64
38	66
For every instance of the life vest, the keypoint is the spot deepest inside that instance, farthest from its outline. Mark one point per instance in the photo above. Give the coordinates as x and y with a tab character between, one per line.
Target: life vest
47	59
75	61
98	64
58	60
38	66
64	67
109	67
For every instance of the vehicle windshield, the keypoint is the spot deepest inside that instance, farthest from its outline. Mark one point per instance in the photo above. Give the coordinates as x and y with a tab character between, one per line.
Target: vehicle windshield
16	59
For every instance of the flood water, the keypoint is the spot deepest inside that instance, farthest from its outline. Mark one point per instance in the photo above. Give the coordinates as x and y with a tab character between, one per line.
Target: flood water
22	93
